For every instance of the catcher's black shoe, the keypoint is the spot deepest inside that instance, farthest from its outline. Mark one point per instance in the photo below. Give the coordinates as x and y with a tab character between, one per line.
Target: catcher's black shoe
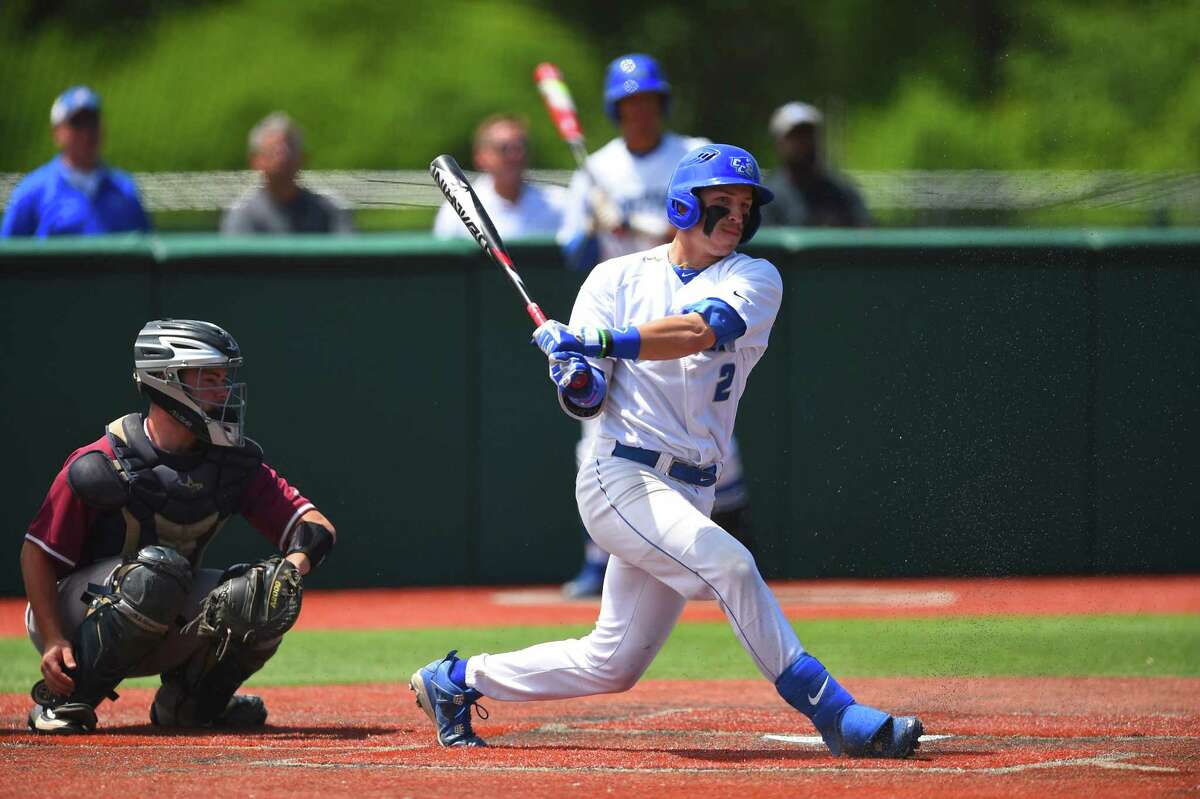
242	712
71	718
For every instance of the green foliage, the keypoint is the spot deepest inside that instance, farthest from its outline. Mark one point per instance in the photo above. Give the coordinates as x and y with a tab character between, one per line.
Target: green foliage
1159	645
372	84
1107	84
1081	86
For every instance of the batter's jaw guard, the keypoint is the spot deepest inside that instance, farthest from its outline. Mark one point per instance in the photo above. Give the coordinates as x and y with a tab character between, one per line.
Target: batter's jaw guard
714	165
632	74
164	347
846	727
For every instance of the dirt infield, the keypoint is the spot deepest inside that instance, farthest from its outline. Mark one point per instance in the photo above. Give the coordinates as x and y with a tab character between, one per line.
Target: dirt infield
1118	737
1001	737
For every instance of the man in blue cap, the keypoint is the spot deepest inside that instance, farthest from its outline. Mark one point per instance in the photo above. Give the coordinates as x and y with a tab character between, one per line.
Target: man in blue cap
75	193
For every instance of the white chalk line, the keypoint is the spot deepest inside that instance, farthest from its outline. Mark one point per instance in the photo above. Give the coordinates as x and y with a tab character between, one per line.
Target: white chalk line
815	740
1112	761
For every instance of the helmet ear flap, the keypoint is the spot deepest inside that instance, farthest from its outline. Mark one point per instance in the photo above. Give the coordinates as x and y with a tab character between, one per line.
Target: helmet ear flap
683	209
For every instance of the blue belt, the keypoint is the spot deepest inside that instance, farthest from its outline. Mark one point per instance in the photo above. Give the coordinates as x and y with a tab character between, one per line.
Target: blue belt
679	470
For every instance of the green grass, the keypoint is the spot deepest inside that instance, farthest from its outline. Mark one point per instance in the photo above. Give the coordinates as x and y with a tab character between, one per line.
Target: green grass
1150	645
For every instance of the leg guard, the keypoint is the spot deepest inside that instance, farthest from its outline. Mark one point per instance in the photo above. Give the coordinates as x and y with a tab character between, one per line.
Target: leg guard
846	726
807	686
128	618
200	692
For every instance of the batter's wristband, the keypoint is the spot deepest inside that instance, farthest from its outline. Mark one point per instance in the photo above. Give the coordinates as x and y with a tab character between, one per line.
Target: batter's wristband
625	342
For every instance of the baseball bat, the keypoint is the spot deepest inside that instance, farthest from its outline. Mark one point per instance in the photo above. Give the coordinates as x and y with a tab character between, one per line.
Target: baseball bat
449	177
558	100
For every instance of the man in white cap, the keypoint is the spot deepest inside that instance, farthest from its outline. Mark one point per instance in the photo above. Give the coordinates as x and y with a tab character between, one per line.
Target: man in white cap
75	193
807	192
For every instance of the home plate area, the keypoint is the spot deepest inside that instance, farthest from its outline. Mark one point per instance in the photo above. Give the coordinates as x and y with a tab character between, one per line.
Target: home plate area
1103	737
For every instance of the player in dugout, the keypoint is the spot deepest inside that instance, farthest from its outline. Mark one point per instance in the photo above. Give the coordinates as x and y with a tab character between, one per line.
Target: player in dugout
665	340
111	562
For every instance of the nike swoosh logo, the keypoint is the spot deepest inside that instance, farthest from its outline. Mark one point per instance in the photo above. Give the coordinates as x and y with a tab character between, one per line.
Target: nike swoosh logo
739	296
812	700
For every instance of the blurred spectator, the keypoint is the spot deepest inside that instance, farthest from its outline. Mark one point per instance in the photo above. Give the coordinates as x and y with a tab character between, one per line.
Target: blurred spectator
75	193
280	204
517	208
807	192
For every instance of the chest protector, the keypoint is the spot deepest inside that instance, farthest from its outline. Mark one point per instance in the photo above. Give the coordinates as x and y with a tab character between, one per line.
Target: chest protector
176	501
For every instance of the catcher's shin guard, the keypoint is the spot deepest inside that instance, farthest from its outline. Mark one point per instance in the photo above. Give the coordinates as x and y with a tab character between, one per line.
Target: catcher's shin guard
201	692
241	623
128	619
846	726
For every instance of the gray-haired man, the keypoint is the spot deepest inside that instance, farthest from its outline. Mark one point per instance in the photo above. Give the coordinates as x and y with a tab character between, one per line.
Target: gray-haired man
280	204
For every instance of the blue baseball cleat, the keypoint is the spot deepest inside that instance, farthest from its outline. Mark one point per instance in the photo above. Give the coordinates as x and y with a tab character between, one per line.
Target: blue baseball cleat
447	704
864	731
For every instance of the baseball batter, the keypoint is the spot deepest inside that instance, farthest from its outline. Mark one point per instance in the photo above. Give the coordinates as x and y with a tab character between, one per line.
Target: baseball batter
667	338
616	208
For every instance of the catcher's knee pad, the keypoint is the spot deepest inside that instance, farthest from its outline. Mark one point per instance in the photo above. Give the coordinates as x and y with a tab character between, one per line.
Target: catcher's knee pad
128	618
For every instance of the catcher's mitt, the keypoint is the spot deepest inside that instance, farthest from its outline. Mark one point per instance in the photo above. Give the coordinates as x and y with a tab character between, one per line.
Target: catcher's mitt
253	602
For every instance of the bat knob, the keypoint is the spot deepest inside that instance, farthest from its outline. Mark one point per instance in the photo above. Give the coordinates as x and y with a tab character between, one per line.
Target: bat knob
581	380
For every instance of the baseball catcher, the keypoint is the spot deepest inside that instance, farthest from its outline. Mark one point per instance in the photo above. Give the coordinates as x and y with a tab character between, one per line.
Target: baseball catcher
111	562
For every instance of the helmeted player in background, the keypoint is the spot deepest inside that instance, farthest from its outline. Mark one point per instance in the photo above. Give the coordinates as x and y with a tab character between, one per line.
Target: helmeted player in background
667	339
615	208
125	524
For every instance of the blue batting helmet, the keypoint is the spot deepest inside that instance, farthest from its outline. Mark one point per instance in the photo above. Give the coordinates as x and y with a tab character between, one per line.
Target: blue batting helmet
633	74
714	165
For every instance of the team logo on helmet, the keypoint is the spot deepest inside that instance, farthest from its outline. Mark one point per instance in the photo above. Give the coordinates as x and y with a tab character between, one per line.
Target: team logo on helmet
630	86
744	167
628	65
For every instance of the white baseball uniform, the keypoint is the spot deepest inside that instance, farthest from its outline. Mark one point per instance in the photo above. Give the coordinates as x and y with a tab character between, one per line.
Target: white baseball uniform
665	549
637	184
538	211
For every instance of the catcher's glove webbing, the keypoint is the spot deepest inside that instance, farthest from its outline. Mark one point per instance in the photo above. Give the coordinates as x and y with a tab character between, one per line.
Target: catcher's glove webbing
253	602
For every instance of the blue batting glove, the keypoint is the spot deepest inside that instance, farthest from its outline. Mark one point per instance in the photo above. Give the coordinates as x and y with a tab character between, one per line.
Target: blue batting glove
564	370
564	373
557	340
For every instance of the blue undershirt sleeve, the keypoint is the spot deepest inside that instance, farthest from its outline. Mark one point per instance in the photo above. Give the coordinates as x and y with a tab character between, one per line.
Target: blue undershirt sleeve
720	316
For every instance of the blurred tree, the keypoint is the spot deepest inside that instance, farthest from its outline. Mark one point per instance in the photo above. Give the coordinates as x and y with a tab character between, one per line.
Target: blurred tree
924	84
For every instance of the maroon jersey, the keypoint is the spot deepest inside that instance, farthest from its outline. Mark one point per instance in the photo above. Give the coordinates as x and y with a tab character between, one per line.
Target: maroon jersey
63	523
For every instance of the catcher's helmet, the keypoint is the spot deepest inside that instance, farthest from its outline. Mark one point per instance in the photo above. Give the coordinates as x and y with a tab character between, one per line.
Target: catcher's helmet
215	413
714	165
633	74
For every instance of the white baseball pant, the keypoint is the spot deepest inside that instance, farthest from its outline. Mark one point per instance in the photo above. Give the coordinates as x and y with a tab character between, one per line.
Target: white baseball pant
665	550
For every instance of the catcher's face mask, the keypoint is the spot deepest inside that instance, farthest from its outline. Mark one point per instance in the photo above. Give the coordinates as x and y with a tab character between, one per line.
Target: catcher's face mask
213	393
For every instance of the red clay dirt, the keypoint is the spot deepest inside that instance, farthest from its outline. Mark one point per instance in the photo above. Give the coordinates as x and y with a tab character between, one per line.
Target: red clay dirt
1120	737
1007	737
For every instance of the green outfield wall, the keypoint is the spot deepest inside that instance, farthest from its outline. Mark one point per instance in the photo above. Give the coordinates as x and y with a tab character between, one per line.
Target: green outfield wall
934	402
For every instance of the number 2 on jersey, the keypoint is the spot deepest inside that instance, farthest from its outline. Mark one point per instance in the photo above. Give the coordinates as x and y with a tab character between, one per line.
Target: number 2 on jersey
724	383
